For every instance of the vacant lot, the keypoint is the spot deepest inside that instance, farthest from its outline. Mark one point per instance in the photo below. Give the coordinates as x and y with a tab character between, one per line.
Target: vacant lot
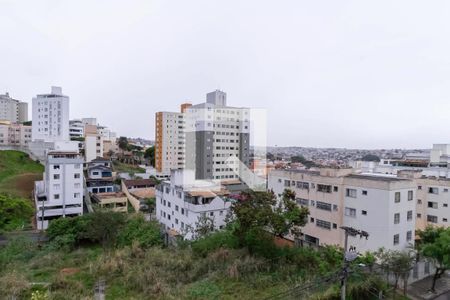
18	173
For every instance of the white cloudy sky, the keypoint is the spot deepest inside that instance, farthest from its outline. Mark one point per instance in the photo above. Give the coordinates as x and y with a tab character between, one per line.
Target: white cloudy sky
330	73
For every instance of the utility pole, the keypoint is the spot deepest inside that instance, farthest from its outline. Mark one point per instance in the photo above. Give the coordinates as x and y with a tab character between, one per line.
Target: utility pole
349	255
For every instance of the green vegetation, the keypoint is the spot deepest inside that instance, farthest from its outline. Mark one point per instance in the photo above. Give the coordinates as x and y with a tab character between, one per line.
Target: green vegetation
15	212
370	157
303	161
150	155
18	173
126	168
435	245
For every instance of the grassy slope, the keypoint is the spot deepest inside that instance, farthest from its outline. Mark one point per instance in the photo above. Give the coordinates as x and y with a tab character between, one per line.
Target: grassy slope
18	173
126	168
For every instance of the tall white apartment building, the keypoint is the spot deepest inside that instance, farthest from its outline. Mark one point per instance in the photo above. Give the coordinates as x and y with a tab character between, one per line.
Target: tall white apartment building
60	194
14	134
383	206
51	116
182	201
169	141
203	137
13	110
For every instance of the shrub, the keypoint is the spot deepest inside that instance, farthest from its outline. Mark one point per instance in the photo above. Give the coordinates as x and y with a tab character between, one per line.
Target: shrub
14	212
210	243
147	234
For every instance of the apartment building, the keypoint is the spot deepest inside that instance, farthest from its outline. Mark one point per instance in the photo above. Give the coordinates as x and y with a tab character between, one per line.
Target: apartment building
60	193
203	137
433	198
99	176
14	134
51	116
13	110
383	206
76	129
169	141
93	143
183	200
440	155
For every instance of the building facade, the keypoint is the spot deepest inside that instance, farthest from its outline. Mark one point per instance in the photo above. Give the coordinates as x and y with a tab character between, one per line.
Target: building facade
51	116
203	137
13	110
14	134
183	201
382	206
61	192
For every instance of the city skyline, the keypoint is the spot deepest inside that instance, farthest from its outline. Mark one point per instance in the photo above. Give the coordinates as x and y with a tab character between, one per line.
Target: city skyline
329	76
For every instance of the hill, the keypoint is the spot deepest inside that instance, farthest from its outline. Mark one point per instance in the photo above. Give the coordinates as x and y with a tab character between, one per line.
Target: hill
18	173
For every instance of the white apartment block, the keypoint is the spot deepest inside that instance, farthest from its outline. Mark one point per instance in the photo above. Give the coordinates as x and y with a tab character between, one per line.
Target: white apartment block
60	194
51	116
183	200
383	206
76	129
203	137
14	134
169	142
13	110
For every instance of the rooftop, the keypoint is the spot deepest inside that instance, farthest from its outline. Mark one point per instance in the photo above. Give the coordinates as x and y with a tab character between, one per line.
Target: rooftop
376	177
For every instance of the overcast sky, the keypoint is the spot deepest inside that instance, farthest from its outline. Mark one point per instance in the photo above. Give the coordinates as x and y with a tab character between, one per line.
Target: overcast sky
354	74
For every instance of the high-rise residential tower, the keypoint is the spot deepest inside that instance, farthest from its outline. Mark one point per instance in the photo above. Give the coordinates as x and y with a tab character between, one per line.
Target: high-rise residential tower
51	116
203	138
13	110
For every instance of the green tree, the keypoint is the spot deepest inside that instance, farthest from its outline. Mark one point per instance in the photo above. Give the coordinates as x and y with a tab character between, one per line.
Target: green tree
370	157
104	227
303	161
123	143
288	216
14	212
150	155
203	227
435	245
257	212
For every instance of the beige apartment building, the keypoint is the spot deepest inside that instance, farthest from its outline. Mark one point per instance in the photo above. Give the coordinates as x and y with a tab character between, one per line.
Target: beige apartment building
13	134
389	208
382	206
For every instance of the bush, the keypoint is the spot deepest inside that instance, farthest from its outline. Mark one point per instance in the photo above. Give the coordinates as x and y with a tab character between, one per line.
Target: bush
14	212
210	243
147	234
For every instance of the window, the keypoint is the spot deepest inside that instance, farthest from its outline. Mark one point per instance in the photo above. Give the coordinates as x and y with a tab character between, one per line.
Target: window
444	220
419	216
350	212
419	187
302	185
76	175
324	188
182	211
410	195
364	212
432	204
287	183
221	213
303	202
56	176
56	186
397	197
408	236
445	190
55	167
433	190
397	218
56	196
335	207
323	205
311	220
432	219
94	173
168	204
76	195
176	221
176	207
350	193
445	205
335	188
313	202
409	215
396	239
419	201
334	226
364	193
323	224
